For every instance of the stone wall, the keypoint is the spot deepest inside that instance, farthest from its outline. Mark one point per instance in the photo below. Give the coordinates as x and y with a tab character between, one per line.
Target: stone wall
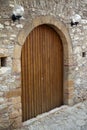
10	88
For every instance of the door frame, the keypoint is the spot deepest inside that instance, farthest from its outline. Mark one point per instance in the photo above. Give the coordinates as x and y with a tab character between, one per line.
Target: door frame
60	28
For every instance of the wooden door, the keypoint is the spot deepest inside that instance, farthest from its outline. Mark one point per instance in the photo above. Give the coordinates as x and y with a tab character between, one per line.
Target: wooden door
41	72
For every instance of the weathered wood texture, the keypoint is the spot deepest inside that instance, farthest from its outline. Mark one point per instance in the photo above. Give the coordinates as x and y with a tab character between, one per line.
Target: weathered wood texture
42	72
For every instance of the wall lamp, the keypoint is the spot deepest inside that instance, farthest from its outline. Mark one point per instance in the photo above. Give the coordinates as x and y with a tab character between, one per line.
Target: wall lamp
17	13
75	19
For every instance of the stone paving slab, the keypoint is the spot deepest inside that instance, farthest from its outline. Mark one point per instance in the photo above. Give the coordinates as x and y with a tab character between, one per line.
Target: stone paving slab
63	118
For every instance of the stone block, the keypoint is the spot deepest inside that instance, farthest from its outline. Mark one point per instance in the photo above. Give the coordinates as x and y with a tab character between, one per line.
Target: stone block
17	122
13	93
14	114
18	106
4	88
4	3
70	102
15	100
1	94
2	100
16	68
3	52
69	83
17	52
5	70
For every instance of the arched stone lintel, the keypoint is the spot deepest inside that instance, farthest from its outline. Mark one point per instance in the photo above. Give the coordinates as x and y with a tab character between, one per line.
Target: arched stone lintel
57	25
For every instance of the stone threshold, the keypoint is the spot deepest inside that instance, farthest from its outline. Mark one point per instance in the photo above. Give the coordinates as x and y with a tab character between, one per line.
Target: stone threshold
37	118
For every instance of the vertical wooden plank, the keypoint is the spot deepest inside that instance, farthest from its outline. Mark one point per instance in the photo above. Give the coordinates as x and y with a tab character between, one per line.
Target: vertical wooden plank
29	92
22	83
35	69
39	69
28	75
32	75
24	86
47	48
41	78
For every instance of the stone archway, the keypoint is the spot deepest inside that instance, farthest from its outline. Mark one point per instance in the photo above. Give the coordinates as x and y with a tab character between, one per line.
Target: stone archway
68	86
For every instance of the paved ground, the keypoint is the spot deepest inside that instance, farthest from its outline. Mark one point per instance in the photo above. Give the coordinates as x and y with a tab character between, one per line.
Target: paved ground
64	118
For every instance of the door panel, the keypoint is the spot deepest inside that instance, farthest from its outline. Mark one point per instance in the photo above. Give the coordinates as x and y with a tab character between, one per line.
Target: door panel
41	72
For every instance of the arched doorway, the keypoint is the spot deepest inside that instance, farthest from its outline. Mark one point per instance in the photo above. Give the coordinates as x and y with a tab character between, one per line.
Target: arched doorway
41	72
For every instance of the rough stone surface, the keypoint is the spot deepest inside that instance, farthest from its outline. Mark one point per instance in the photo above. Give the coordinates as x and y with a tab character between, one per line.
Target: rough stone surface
9	30
64	118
